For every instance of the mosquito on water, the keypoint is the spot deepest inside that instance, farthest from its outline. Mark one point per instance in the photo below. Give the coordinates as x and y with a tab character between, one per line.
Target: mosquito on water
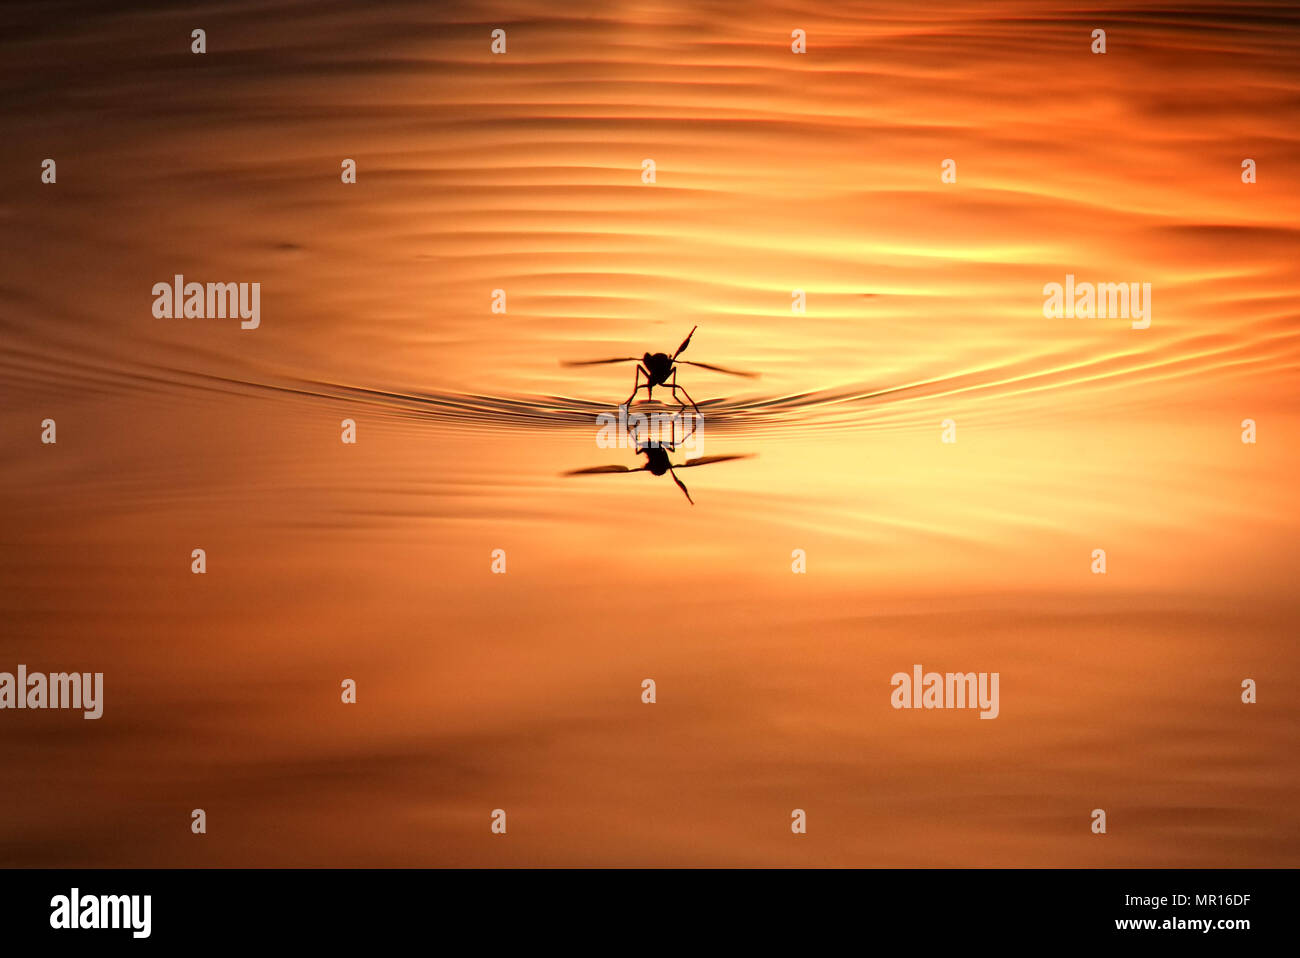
660	369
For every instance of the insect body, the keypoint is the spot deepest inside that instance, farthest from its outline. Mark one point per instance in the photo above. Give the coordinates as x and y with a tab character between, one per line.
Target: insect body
660	369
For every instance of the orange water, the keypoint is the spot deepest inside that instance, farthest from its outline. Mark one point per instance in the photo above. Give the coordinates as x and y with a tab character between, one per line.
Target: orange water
774	172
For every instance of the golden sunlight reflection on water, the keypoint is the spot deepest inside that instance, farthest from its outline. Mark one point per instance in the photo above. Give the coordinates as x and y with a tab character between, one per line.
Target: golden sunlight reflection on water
774	173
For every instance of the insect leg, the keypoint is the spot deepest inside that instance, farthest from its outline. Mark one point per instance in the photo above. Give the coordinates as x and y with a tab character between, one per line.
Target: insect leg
636	384
681	485
674	387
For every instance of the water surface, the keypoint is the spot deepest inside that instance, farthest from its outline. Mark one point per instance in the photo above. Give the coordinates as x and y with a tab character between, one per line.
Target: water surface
521	691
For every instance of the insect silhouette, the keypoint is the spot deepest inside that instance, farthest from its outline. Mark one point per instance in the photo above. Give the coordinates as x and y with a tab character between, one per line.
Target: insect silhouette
660	369
656	463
